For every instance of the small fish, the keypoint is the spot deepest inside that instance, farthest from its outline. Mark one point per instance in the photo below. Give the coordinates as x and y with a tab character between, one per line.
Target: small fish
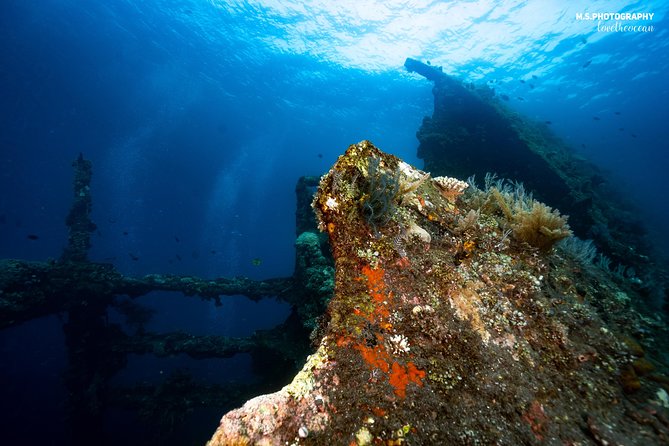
548	122
505	97
320	155
534	76
256	262
520	98
133	257
633	135
176	239
125	232
522	81
32	237
531	86
583	145
213	251
596	118
616	113
178	257
587	64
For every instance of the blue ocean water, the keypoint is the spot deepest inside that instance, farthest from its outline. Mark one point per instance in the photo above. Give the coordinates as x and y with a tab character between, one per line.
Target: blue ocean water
199	116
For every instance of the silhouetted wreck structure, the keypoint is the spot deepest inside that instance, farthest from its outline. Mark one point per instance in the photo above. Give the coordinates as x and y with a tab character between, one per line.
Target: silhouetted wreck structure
97	350
471	132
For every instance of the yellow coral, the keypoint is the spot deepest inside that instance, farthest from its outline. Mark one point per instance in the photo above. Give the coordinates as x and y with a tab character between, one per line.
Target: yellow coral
540	227
532	222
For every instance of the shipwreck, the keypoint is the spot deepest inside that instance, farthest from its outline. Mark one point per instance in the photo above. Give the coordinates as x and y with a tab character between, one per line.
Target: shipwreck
428	306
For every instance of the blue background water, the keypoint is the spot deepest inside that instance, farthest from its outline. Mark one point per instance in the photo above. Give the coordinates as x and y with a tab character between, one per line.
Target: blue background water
199	116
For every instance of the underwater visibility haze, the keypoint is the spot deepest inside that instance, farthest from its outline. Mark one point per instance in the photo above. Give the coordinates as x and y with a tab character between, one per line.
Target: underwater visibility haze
200	116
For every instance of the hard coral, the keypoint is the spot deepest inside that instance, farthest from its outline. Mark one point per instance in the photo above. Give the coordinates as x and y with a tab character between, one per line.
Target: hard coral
451	188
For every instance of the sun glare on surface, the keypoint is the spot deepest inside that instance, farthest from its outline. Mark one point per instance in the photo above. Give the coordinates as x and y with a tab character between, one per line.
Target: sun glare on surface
378	35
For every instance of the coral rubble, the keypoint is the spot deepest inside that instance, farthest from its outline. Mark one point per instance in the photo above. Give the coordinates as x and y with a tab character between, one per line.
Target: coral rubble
447	328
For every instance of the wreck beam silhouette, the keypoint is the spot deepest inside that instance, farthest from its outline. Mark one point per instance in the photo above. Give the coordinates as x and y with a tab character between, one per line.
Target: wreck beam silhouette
97	349
78	219
35	289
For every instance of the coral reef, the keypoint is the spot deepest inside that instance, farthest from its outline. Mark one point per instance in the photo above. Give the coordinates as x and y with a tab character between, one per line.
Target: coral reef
473	132
458	333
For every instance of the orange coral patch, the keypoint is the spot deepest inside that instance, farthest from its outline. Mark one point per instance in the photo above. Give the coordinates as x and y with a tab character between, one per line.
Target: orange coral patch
375	283
400	377
382	311
376	357
343	341
379	412
377	291
386	326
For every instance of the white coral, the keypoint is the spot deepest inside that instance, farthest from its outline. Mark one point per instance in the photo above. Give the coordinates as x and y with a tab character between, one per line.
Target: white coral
399	344
451	184
331	203
450	188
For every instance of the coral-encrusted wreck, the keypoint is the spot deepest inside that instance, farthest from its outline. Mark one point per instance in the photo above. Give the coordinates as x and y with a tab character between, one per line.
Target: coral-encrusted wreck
457	320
